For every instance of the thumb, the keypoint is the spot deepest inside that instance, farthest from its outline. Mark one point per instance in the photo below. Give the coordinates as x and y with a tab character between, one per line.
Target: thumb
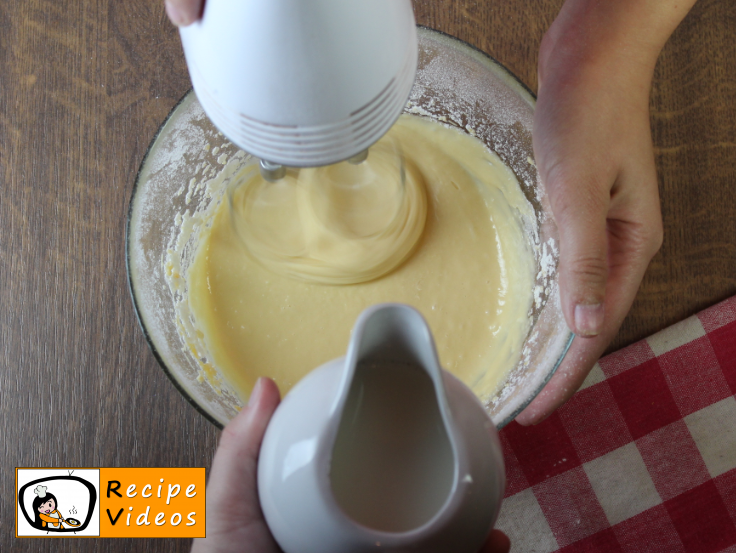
580	211
240	443
232	487
183	12
234	517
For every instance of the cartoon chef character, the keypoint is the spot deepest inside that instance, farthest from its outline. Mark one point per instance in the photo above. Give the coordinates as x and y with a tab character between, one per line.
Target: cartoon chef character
48	516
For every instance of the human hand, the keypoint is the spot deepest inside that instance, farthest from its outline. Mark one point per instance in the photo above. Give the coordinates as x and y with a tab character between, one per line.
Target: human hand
234	518
184	12
593	149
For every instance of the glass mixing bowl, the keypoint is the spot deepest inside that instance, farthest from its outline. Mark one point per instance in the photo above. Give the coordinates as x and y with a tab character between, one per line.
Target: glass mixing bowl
176	189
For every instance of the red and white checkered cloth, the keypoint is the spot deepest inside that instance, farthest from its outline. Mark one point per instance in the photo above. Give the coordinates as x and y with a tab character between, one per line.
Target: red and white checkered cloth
642	458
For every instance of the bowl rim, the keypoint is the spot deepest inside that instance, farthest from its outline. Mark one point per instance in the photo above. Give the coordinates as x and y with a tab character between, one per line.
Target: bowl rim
422	29
131	287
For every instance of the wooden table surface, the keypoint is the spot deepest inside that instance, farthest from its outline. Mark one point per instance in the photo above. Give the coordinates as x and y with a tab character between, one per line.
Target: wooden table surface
84	85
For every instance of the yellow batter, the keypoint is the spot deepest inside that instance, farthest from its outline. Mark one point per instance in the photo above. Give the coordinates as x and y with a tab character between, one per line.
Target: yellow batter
339	224
469	271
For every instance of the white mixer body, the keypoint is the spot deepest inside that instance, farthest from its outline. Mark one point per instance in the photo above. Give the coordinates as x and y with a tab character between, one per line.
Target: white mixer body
303	83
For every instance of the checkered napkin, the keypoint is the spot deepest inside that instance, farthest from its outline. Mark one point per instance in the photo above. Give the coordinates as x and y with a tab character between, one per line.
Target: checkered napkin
642	458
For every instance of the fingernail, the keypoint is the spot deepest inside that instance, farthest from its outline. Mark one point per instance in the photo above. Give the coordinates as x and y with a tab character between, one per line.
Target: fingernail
255	395
588	319
535	422
177	17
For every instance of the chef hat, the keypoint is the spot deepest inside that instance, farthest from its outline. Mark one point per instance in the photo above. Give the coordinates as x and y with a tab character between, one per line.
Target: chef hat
40	491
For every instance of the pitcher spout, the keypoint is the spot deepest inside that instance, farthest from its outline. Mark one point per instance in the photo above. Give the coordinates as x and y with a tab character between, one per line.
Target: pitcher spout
393	332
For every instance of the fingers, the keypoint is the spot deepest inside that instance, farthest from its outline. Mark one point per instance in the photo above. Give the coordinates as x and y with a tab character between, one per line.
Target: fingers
580	207
184	12
629	256
633	235
569	377
497	542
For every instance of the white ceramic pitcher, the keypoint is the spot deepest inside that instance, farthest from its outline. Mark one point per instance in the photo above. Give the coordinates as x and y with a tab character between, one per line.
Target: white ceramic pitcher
381	450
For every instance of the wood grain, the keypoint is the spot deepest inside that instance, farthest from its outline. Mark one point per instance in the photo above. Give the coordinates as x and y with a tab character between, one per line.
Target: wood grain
84	85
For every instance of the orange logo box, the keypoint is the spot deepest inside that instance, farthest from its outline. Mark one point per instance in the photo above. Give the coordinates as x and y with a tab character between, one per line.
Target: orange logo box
152	502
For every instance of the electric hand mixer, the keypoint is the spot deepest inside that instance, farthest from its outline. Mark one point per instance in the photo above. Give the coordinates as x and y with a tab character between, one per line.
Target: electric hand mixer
302	84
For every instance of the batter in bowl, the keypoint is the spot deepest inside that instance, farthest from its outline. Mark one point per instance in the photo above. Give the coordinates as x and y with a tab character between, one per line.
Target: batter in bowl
469	270
339	224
